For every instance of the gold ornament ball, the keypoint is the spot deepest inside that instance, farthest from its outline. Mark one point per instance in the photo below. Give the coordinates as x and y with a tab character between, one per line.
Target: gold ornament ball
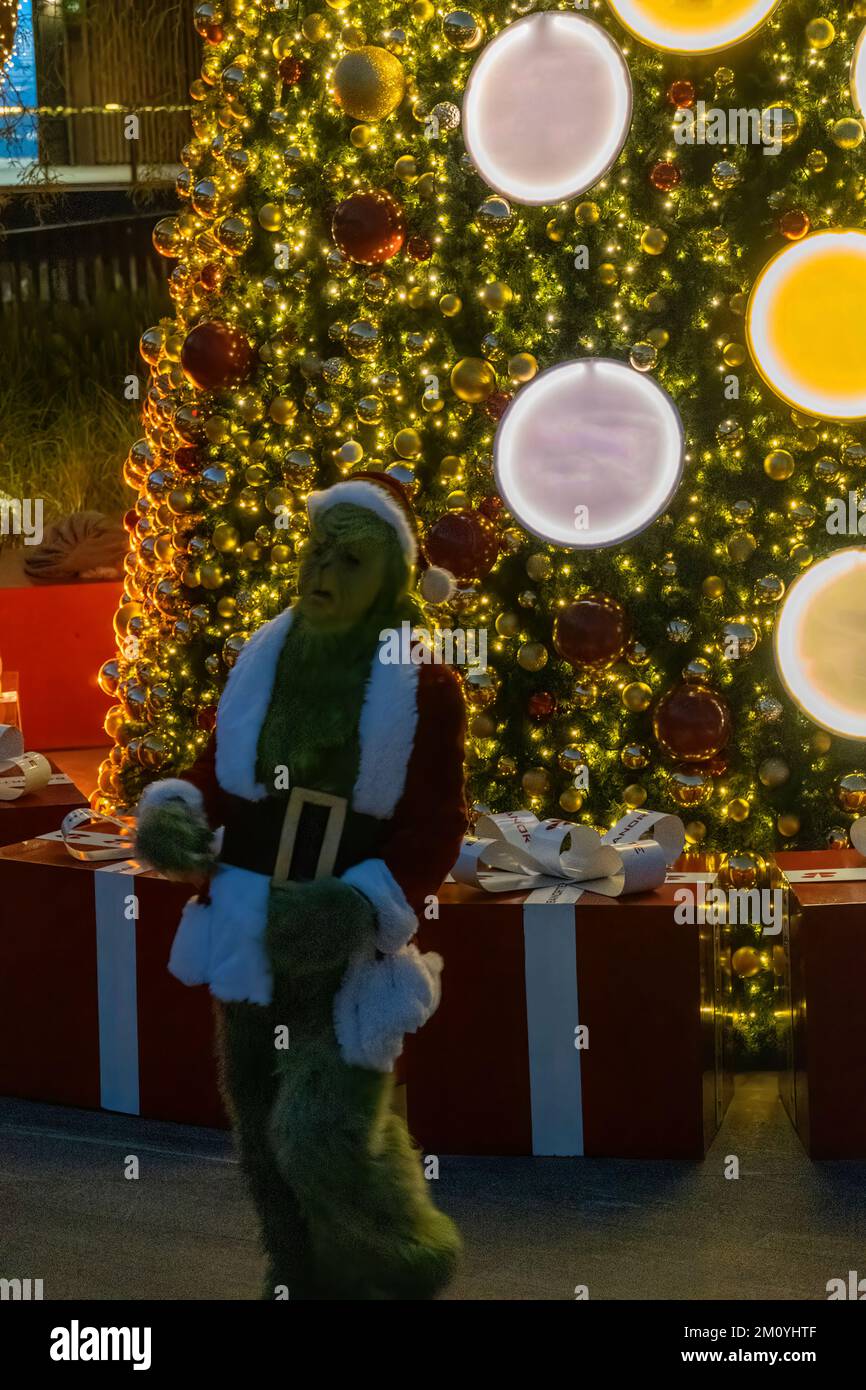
688	788
746	962
571	759
740	870
480	688
738	809
734	355
637	697
696	832
653	241
473	380
463	30
539	566
820	742
774	772
713	586
571	799
779	465
369	83
847	133
450	305
635	755
532	656
281	410
496	295
522	367
607	274
508	624
788	826
837	838
225	537
851	792
586	214
820	33
361	135
482	726
315	28
495	215
270	217
536	782
634	796
422	11
506	767
742	546
407	443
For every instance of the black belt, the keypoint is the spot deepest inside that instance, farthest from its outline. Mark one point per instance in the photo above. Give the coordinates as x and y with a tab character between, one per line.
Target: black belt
254	830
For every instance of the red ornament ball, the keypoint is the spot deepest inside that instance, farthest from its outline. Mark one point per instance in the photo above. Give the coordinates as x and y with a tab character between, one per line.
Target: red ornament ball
593	631
692	723
794	224
206	717
213	33
369	228
419	248
681	93
496	405
291	70
464	543
664	176
541	706
491	506
215	355
187	458
211	275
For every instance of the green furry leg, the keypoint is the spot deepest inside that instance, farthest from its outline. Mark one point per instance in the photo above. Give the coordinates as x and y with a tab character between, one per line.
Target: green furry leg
246	1047
373	1231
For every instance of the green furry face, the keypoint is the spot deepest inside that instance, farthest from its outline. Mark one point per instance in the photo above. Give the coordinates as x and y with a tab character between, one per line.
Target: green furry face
351	565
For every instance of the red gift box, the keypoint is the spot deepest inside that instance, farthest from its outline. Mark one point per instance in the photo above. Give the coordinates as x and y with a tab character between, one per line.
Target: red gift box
57	636
37	813
821	1008
89	1015
499	1069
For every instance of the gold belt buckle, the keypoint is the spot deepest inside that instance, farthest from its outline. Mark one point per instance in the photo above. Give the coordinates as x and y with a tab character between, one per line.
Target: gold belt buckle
298	798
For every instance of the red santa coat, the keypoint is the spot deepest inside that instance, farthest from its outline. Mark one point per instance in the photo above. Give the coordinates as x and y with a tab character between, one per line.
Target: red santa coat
410	778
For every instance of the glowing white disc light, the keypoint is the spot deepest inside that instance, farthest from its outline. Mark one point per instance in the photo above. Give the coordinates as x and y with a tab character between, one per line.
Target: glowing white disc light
806	325
547	108
858	75
821	643
589	454
692	26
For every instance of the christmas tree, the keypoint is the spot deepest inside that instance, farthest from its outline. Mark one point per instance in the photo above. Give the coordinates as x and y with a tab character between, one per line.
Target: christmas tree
531	261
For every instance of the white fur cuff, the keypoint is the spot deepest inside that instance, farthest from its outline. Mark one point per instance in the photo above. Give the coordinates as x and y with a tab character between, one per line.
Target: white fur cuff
170	789
396	923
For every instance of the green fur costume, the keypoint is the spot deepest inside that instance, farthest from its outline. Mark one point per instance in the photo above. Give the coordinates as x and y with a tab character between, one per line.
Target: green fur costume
344	1207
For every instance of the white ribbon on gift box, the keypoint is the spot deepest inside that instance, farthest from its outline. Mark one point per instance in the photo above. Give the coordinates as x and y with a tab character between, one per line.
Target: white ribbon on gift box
34	770
557	861
116	962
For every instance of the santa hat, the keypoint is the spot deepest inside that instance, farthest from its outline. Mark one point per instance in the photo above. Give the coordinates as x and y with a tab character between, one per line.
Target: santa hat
388	499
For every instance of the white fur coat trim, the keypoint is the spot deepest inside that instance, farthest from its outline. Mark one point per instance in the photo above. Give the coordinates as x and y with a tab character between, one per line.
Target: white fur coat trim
222	943
380	1001
170	789
389	718
396	923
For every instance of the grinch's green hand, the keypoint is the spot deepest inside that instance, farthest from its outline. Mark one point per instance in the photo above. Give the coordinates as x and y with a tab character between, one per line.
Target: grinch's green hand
316	926
176	839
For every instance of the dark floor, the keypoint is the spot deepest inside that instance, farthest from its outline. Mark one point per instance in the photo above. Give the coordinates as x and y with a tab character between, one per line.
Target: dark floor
534	1228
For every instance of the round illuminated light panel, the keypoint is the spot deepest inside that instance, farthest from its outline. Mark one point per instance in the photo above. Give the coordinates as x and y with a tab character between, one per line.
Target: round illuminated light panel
806	325
547	108
692	26
858	75
589	454
820	643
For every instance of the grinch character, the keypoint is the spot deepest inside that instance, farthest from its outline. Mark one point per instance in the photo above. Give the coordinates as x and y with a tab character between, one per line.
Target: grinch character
325	754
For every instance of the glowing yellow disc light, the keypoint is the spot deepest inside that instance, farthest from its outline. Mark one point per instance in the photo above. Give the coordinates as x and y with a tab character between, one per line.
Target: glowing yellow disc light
858	75
692	26
547	108
806	325
820	643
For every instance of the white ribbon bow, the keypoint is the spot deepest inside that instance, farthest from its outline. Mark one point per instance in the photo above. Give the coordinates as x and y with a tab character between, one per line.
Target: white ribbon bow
20	772
515	851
